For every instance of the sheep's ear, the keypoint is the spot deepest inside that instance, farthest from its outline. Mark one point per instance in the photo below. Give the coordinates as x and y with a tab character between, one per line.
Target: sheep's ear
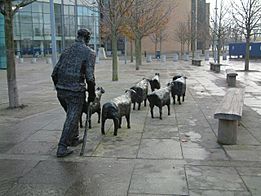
185	77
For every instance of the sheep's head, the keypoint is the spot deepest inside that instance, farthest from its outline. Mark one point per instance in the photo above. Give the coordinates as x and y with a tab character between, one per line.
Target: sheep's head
130	92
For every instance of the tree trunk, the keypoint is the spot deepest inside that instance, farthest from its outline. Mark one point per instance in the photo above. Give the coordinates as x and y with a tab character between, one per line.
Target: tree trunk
181	50
11	68
218	48
156	46
138	52
160	46
247	53
114	57
131	50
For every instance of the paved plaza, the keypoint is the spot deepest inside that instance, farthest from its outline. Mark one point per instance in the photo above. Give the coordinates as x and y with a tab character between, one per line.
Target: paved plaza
178	155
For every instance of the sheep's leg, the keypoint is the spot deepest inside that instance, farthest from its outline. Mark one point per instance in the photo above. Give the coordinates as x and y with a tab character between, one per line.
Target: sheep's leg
128	121
116	125
99	116
151	111
134	106
102	126
174	101
145	102
183	98
179	99
160	112
168	105
139	106
119	123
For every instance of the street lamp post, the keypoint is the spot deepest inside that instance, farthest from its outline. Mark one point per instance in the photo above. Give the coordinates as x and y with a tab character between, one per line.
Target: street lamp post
52	17
215	39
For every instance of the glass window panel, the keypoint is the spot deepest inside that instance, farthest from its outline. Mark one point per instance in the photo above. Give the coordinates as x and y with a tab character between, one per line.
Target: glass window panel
57	9
36	7
66	20
68	2
66	30
58	29
47	29
72	20
17	29
46	7
26	30
25	17
27	8
85	11
80	10
37	29
79	20
86	21
71	10
72	31
16	17
37	18
58	1
47	18
66	10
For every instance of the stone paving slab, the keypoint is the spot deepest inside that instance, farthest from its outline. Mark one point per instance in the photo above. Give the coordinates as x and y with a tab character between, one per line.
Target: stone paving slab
158	178
218	178
177	155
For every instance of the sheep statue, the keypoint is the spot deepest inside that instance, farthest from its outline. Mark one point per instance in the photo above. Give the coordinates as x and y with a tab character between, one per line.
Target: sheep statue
116	109
141	89
160	98
95	106
155	82
178	87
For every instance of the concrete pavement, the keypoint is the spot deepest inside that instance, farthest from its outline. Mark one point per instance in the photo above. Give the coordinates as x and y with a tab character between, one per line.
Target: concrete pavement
178	155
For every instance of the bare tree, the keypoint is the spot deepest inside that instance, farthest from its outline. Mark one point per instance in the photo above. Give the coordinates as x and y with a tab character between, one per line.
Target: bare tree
203	35
114	16
8	8
222	27
126	31
247	15
159	36
181	36
235	33
191	35
147	16
154	37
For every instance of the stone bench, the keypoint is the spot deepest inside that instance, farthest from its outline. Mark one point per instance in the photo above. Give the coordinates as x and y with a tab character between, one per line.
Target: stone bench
215	67
231	77
196	62
229	112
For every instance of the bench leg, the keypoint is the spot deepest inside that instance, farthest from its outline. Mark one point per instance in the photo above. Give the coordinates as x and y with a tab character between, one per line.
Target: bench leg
217	69
227	131
231	81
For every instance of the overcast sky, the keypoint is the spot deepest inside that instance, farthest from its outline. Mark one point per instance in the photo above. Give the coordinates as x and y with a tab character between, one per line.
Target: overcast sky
213	3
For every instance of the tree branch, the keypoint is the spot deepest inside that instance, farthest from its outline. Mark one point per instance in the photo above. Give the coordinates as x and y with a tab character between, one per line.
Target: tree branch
22	4
2	9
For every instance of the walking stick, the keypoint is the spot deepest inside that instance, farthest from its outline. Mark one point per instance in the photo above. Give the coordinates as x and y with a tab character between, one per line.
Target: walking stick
85	130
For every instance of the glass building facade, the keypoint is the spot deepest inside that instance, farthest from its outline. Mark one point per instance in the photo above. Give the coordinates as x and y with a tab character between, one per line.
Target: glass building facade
32	25
2	43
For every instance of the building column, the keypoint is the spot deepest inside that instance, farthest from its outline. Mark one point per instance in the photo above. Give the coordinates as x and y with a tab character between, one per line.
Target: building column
42	47
2	43
18	48
62	21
